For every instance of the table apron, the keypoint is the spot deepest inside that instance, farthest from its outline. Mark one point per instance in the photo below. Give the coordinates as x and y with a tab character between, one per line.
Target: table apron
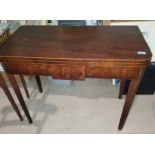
72	72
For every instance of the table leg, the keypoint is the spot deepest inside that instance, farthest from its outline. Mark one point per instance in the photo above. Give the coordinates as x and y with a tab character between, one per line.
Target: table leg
9	96
24	85
19	96
122	87
134	84
39	83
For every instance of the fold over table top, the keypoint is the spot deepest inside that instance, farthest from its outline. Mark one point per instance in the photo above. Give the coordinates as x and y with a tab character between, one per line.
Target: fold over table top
107	43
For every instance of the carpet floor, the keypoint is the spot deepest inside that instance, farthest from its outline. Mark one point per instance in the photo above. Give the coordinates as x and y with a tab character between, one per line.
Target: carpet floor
83	107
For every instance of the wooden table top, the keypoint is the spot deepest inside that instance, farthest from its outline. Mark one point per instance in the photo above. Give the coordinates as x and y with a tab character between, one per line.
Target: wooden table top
84	43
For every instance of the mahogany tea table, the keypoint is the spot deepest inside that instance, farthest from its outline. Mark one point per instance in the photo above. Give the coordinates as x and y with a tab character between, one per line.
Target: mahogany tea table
77	53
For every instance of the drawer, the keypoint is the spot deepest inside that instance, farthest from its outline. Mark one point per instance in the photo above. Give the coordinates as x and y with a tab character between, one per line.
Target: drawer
68	72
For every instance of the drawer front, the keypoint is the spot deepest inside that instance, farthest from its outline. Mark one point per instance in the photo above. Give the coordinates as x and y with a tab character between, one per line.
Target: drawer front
68	72
112	72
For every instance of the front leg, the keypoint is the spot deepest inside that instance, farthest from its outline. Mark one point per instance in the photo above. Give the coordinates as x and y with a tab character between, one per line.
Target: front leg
24	85
9	96
19	96
134	84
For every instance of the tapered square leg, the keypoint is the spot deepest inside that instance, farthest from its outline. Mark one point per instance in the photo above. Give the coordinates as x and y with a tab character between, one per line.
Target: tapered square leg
134	84
24	85
122	87
9	96
19	96
39	83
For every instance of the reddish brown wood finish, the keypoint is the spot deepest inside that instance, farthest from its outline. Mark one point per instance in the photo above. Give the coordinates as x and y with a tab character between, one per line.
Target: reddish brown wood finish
9	96
39	83
77	53
61	71
110	43
129	98
24	85
19	96
4	86
122	87
3	38
68	72
112	72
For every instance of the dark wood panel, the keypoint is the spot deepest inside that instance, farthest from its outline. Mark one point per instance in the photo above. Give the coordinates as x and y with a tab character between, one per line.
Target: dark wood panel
76	43
58	71
68	72
76	72
28	69
112	72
